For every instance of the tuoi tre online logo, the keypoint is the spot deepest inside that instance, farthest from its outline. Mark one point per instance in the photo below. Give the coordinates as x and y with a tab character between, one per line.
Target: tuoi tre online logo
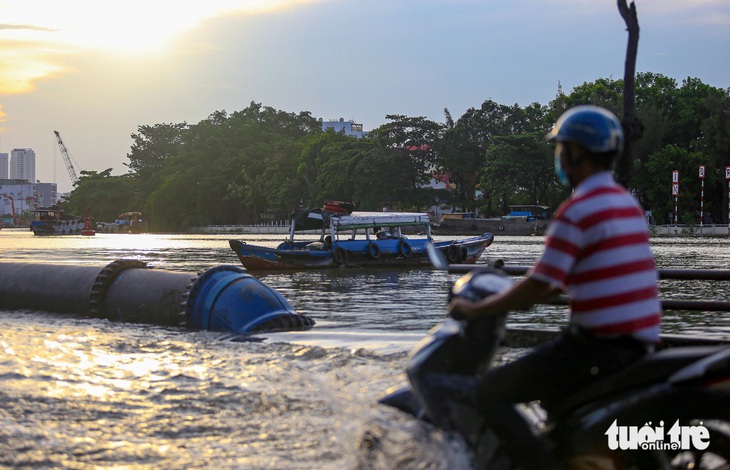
647	437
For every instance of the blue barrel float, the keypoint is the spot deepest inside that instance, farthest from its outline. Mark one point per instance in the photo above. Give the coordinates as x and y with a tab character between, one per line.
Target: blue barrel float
223	298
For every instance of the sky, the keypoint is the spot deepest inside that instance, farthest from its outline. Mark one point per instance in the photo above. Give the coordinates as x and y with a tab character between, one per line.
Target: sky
97	70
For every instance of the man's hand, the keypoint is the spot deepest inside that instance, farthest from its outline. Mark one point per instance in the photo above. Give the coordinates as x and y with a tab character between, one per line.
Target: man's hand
521	295
462	309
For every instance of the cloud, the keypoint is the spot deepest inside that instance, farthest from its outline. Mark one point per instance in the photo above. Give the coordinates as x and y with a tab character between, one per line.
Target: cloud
2	119
22	63
685	12
37	36
23	27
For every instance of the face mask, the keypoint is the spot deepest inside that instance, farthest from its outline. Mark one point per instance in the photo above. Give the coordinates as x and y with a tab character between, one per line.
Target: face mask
559	170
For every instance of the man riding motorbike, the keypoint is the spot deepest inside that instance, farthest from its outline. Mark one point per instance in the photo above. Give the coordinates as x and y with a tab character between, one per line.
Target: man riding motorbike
597	251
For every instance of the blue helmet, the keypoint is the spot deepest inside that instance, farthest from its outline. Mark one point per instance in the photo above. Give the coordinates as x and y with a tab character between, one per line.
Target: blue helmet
596	129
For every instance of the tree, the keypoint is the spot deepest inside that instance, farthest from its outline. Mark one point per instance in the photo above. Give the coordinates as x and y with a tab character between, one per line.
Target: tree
659	179
325	166
264	149
234	168
715	128
693	117
519	170
604	92
107	196
152	149
632	126
465	152
400	162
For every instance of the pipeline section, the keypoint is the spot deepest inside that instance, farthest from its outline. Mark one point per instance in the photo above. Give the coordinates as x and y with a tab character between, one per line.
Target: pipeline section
223	298
667	304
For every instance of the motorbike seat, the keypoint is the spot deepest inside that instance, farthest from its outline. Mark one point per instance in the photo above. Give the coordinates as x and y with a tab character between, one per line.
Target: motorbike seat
653	368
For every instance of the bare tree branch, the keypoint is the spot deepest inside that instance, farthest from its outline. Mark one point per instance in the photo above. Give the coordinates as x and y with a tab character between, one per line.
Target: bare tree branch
633	127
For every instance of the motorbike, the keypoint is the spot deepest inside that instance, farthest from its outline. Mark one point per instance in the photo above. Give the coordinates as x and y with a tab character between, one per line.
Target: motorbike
669	410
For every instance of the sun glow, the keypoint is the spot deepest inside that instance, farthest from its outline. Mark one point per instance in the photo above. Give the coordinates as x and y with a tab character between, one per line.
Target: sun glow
37	35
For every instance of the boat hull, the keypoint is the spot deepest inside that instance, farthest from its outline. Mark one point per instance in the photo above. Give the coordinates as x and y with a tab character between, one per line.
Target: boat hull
61	227
505	226
356	253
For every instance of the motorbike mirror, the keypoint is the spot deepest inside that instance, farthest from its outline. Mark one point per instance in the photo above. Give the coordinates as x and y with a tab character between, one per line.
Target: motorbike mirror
437	258
477	285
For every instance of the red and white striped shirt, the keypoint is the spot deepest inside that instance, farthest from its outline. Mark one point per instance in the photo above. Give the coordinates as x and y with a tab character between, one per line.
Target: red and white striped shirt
597	246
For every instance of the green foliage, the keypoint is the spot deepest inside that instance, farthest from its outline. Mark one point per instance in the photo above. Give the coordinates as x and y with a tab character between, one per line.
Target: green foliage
326	164
153	147
105	195
398	163
259	162
659	179
231	169
604	92
520	170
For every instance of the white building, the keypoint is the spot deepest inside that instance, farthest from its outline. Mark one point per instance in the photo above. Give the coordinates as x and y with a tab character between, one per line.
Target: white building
348	127
22	165
18	194
45	194
4	160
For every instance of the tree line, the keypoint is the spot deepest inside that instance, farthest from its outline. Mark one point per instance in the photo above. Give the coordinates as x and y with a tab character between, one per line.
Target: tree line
250	165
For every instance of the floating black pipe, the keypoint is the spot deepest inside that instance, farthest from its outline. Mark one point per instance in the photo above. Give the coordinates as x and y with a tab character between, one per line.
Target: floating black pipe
675	274
224	298
667	304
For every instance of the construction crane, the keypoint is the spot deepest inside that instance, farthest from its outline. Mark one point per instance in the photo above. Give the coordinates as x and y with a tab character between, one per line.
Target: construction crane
66	159
12	207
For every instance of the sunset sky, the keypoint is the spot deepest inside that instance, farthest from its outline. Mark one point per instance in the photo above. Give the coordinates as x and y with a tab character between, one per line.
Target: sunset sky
95	70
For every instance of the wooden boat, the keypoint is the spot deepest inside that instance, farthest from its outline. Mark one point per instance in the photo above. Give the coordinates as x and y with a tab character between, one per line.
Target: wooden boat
358	239
54	221
522	220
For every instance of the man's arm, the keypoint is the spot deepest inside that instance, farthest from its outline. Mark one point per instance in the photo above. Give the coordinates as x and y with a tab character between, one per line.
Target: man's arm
521	295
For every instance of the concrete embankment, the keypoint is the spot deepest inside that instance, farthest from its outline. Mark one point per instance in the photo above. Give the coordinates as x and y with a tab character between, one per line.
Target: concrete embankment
450	228
252	229
714	230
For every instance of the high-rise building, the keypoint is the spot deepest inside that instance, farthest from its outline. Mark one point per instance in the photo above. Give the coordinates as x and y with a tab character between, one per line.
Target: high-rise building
22	165
45	194
4	160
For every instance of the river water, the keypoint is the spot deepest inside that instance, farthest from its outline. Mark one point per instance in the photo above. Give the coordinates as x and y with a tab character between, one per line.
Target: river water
88	393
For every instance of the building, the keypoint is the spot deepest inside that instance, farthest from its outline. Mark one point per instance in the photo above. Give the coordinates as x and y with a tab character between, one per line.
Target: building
18	194
4	160
25	196
46	194
22	165
347	127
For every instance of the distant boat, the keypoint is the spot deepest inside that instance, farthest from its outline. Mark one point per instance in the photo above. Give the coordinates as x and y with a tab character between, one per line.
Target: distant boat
54	221
523	219
357	239
133	222
128	222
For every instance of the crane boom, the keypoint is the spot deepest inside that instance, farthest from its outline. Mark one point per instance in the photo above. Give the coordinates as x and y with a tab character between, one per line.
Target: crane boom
12	207
66	158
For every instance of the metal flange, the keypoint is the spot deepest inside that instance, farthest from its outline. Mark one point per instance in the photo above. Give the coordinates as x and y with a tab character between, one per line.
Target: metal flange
102	283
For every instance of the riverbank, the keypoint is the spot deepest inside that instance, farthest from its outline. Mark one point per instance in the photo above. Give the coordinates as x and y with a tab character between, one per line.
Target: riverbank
714	230
248	229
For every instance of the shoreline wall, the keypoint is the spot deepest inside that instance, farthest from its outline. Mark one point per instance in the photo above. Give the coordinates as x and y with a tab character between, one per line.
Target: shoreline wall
715	230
